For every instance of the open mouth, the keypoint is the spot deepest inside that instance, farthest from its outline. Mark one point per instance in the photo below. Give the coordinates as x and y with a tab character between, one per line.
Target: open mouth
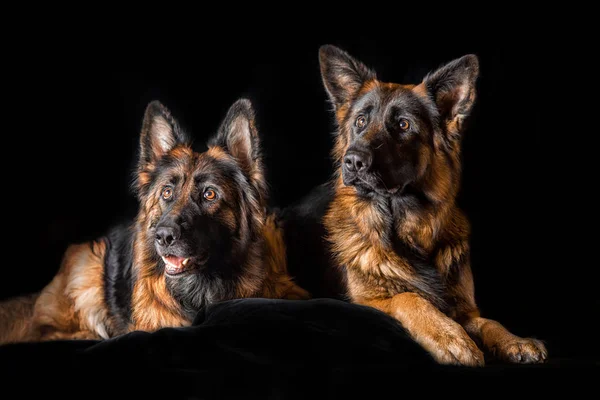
175	265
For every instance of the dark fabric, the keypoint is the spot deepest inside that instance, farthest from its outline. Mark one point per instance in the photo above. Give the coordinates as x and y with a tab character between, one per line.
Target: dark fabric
259	348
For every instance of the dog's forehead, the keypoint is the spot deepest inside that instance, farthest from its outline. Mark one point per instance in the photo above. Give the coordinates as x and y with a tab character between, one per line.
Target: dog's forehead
215	164
381	96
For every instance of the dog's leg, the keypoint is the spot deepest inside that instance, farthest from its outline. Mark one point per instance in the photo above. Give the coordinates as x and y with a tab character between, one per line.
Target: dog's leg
16	318
504	345
60	309
442	337
54	317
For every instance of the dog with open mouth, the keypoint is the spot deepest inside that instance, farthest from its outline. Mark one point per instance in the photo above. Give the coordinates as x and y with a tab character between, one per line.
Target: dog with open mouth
202	235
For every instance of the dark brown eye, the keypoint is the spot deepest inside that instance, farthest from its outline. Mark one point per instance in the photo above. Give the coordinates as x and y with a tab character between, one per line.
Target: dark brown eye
210	194
167	193
404	124
361	122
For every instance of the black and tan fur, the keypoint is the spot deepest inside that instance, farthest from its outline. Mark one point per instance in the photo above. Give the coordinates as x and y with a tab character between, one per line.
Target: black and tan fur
394	238
208	208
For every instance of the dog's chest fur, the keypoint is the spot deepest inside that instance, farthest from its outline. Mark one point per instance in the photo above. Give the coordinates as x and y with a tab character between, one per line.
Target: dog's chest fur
386	251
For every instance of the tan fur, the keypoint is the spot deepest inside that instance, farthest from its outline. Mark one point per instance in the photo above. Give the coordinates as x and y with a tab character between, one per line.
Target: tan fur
16	319
153	305
356	232
217	153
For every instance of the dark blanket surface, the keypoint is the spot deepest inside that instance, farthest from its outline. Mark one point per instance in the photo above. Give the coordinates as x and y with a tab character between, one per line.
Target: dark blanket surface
258	348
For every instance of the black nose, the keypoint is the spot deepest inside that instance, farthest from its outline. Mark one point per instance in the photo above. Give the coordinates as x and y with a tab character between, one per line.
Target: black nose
167	235
357	161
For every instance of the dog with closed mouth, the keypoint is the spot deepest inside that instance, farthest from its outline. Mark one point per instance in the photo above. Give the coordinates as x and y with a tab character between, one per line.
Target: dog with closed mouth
386	231
202	235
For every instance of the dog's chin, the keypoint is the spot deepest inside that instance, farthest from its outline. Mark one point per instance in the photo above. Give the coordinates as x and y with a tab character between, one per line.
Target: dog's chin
176	266
365	188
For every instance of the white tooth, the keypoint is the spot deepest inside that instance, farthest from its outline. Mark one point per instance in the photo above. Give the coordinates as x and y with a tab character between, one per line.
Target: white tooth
184	262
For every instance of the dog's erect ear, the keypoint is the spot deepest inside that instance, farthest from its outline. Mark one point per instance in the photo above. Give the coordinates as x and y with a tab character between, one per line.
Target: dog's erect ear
160	133
238	136
452	87
342	75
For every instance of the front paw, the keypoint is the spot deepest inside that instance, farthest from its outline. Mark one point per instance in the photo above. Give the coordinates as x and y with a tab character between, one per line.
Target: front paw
521	351
448	343
458	349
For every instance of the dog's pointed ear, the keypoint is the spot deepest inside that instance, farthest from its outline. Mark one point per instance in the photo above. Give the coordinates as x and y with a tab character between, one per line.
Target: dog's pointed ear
238	136
160	133
342	75
452	88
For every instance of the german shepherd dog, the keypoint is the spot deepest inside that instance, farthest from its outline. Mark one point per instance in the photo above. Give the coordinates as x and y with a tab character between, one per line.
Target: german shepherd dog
395	239
202	235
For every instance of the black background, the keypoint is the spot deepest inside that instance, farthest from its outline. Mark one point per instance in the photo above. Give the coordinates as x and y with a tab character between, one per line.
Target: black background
76	105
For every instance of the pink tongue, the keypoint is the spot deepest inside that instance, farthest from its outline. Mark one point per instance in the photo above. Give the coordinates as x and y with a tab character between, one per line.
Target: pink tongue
175	260
174	264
